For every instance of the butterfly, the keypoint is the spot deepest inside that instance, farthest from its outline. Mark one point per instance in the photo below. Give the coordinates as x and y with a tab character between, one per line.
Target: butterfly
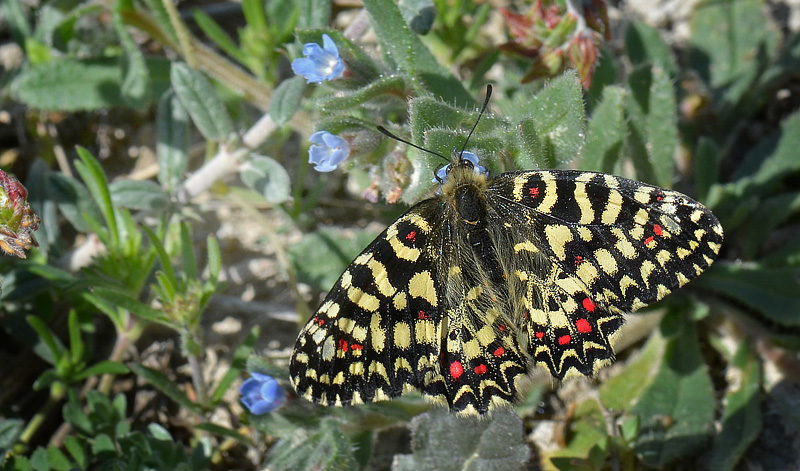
470	289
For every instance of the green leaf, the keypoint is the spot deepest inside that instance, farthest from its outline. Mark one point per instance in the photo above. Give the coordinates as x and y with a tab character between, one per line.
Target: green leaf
103	447
73	414
706	166
77	450
447	442
286	99
66	84
55	349
385	88
71	85
76	346
168	278
772	159
57	460
676	410
662	127
39	460
225	432
730	44
326	449
313	13
644	44
533	154
163	384
135	88
559	117
10	431
741	421
95	180
104	367
73	200
418	14
763	221
172	145
214	258
606	134
123	300
218	35
621	391
412	57
16	21
770	291
588	448
267	177
138	194
202	102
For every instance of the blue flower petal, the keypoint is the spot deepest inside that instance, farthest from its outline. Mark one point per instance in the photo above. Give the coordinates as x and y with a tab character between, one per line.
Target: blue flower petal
320	63
328	151
262	393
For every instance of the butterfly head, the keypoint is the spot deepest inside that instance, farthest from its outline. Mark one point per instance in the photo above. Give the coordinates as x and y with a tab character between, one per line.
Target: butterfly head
463	163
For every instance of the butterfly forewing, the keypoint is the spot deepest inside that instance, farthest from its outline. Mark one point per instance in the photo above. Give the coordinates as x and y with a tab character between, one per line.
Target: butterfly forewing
466	291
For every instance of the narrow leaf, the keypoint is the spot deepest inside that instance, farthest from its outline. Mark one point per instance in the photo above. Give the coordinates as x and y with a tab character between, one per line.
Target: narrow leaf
202	102
267	177
677	409
286	99
741	421
138	194
172	145
605	136
411	56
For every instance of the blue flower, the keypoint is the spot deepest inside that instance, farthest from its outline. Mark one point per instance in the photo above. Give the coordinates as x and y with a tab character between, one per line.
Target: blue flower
262	394
320	63
441	174
328	152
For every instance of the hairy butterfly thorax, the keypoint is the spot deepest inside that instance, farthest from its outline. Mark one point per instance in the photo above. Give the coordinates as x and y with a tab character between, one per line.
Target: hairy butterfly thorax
470	289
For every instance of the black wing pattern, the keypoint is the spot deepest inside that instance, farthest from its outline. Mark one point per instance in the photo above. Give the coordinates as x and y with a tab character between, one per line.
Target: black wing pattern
467	290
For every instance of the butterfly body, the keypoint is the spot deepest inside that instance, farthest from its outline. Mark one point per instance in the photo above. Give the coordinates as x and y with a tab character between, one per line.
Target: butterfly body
470	289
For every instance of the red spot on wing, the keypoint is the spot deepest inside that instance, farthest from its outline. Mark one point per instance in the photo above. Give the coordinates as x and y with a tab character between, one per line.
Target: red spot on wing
564	339
578	260
657	230
502	327
499	351
539	335
589	305
356	346
659	195
411	236
456	370
343	345
481	369
319	321
648	240
583	326
533	192
422	315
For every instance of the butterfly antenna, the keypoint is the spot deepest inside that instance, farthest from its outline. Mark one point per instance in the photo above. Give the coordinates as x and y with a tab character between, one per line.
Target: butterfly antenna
483	108
396	138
